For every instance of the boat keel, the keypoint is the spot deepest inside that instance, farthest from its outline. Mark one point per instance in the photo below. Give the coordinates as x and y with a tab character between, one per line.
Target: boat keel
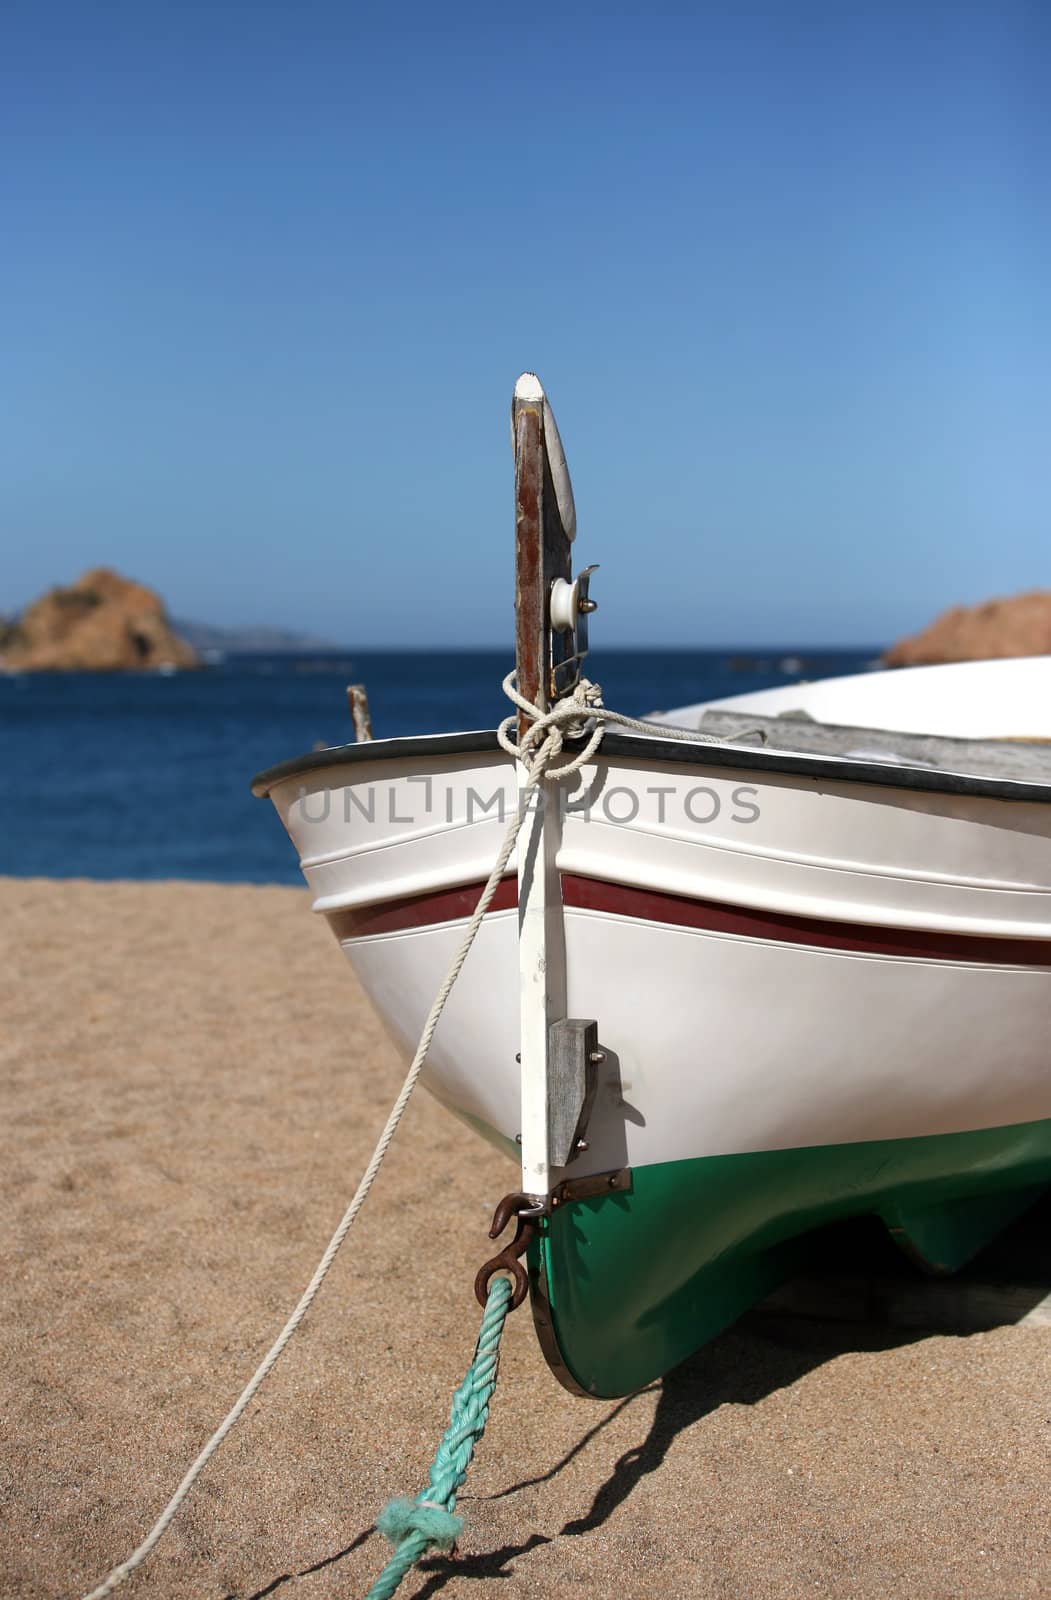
628	1283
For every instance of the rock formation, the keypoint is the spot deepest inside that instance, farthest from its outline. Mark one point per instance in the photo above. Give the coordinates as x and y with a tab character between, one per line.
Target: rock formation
1020	626
101	623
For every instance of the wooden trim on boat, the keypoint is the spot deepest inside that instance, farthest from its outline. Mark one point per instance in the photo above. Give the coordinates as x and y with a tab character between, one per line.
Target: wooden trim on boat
705	916
664	752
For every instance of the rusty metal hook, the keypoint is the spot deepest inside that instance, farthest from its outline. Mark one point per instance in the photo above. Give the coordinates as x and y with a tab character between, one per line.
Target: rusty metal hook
512	1205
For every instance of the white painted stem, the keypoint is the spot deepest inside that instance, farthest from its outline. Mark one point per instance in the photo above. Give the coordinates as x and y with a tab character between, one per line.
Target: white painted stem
541	961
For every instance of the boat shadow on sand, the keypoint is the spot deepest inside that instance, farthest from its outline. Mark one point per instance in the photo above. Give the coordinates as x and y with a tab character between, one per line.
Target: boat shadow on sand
767	1350
740	1368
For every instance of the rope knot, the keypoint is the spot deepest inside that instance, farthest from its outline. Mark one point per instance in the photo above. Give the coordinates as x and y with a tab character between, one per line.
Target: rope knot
578	715
585	699
401	1519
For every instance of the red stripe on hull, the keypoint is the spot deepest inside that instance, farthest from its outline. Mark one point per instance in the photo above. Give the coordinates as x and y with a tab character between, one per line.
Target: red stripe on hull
713	917
707	916
420	910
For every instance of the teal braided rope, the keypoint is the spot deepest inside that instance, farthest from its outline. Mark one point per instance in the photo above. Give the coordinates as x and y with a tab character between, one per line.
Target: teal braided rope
413	1526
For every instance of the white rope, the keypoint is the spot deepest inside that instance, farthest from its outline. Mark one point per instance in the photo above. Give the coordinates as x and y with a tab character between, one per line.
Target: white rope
581	714
542	742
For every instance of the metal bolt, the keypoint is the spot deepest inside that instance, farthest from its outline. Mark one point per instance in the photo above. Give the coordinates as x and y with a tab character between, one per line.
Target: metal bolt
596	1056
518	1138
614	1181
582	1144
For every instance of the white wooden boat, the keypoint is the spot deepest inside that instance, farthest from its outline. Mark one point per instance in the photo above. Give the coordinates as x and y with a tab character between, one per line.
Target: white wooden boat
816	954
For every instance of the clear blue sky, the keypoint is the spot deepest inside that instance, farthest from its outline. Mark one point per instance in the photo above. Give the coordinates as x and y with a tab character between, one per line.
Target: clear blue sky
269	271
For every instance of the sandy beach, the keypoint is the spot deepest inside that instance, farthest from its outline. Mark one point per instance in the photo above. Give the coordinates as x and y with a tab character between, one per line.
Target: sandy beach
192	1083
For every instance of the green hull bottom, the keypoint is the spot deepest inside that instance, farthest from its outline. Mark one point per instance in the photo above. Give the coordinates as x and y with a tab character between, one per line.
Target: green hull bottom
626	1285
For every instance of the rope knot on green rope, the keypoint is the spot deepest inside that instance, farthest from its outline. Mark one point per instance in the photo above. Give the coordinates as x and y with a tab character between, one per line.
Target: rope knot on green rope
416	1526
404	1517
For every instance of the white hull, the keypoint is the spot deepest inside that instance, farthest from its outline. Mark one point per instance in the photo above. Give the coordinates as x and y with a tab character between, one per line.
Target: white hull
819	965
720	1045
884	972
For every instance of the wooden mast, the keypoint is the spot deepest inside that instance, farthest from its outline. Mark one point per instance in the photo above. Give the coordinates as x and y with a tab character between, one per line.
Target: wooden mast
543	541
544	526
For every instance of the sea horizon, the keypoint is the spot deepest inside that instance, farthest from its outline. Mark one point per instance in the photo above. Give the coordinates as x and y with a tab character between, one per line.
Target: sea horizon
147	775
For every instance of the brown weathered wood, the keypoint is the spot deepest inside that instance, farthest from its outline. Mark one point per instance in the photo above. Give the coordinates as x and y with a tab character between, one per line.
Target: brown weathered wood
358	701
542	554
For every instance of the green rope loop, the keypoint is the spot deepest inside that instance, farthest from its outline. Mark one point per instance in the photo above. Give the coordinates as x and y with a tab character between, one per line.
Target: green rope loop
414	1526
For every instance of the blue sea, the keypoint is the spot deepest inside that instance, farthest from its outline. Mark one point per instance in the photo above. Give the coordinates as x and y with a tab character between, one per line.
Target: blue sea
144	776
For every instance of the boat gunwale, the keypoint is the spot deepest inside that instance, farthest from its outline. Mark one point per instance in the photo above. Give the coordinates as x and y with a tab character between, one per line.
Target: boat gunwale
640	747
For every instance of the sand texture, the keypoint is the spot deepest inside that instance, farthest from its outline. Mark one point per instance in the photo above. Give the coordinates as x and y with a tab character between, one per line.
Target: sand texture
191	1085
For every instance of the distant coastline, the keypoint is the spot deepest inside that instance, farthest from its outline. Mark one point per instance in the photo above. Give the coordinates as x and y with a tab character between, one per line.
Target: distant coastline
106	622
252	639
